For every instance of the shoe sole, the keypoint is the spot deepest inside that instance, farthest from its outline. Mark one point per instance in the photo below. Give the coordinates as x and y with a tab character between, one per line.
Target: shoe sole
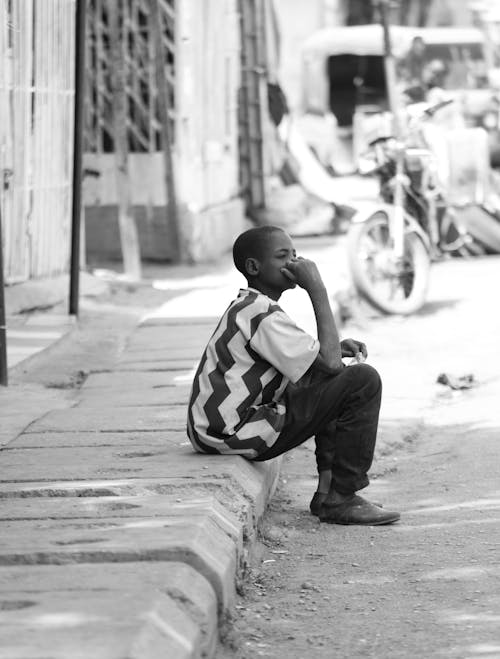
316	512
391	520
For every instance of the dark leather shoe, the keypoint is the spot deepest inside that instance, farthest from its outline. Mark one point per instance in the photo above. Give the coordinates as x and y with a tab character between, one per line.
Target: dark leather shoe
316	502
356	511
319	498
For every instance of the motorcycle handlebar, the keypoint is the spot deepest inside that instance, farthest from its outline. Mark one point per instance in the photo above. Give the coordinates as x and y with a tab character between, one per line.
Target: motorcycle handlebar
438	106
428	112
379	140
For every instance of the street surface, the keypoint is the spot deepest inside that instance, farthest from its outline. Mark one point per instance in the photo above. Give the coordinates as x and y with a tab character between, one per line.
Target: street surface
429	585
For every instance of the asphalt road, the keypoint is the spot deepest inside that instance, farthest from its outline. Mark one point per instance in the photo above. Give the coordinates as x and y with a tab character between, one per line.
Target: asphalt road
429	585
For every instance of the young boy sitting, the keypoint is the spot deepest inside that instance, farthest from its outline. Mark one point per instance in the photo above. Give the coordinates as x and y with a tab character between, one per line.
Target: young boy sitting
264	386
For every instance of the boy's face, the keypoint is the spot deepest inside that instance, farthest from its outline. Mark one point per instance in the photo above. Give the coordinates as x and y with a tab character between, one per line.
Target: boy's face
268	275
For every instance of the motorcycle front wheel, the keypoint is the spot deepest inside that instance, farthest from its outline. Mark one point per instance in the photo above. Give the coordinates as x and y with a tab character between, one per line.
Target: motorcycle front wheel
388	285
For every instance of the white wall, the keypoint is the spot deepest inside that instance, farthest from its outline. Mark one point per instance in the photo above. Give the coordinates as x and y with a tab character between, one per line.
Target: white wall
297	20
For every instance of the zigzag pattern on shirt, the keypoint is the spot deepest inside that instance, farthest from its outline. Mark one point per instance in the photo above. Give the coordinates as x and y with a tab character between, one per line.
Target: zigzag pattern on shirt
270	388
276	420
220	390
257	415
253	375
195	392
196	388
251	378
190	424
256	444
256	421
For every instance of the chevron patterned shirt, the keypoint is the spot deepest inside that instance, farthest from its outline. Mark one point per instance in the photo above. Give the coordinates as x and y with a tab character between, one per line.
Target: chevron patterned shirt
237	404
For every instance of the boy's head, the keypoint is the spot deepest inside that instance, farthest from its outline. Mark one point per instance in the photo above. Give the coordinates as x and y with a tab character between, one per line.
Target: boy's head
260	254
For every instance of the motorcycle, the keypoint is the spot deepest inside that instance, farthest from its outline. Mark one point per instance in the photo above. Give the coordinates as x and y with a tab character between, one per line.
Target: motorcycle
391	247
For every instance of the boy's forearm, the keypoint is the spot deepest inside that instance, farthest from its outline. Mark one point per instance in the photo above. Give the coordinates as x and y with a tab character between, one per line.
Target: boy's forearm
328	335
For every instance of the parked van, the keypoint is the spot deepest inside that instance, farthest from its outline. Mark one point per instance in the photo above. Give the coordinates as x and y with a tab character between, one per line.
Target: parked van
343	69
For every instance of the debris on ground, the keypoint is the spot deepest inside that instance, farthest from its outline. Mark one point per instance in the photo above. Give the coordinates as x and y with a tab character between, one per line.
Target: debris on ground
457	382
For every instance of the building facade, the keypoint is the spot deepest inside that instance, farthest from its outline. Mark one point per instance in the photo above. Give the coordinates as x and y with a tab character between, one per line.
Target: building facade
190	205
37	52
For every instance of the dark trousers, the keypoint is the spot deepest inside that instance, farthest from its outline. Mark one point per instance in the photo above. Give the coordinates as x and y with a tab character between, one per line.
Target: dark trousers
341	412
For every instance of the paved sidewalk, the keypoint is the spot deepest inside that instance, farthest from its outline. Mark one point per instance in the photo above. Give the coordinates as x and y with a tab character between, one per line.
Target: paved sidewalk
29	334
118	540
30	327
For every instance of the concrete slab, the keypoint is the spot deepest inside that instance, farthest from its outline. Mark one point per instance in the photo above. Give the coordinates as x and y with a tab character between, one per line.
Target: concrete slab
182	351
164	335
72	488
139	505
113	382
179	339
254	480
152	440
167	321
174	349
196	541
20	406
27	335
101	461
93	397
231	497
105	611
160	417
138	625
233	477
157	364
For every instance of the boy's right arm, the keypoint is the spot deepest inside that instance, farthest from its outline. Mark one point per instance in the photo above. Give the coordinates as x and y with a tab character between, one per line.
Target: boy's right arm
306	275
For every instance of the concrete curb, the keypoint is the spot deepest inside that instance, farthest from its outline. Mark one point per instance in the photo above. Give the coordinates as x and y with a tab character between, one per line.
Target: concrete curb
119	540
136	610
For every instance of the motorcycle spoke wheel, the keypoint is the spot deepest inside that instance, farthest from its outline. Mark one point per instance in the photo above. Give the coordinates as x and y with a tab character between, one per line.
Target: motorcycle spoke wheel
389	286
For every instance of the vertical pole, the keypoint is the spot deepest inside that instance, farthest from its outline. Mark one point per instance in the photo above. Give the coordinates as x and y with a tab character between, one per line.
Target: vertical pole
77	156
3	328
397	229
389	65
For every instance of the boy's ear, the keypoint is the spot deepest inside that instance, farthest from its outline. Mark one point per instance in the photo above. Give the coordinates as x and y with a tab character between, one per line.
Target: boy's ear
252	266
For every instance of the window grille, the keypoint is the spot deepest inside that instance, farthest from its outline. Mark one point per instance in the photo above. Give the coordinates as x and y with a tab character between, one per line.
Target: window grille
135	21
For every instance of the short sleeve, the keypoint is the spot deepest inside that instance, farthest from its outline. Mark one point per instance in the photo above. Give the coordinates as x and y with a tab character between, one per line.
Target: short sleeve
281	342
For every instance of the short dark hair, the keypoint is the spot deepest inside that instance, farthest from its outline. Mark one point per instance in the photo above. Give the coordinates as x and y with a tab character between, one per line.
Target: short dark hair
251	244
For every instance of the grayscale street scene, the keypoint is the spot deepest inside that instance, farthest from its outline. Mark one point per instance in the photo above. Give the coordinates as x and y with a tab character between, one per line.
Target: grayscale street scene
249	321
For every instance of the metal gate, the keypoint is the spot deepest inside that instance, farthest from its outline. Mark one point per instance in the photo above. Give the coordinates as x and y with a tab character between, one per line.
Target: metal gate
136	27
36	134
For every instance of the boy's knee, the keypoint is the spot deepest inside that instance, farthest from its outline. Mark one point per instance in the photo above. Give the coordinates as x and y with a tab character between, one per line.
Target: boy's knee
365	375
